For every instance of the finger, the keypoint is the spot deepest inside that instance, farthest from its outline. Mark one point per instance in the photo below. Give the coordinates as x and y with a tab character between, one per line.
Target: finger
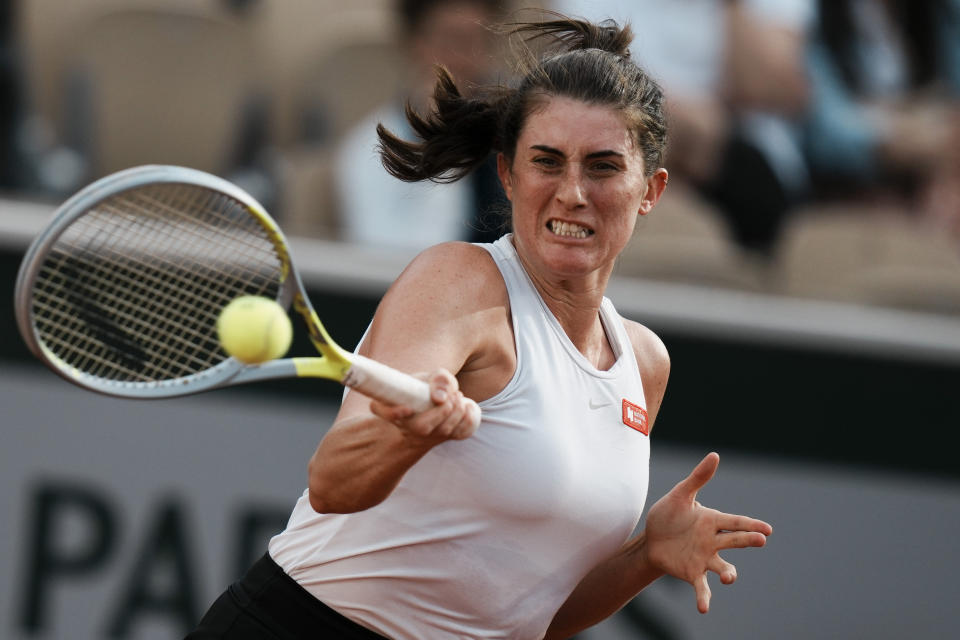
390	412
702	590
740	539
456	411
439	381
700	475
470	421
730	522
726	571
442	384
436	420
444	421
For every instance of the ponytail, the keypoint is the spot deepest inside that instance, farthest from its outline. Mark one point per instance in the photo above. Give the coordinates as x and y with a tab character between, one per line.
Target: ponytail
571	34
456	137
585	61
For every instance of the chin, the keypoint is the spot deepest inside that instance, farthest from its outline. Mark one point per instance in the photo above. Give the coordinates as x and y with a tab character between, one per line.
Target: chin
568	265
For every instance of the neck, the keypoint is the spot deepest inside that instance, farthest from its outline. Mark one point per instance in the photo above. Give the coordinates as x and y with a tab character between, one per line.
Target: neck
575	303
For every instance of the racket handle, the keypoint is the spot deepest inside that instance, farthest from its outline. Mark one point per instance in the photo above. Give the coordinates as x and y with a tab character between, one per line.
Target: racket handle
379	381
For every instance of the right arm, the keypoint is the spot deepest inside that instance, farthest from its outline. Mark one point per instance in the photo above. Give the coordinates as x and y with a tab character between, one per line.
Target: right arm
436	317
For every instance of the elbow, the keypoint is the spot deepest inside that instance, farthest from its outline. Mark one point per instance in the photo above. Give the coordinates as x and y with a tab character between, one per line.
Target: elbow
318	490
322	494
317	503
326	495
323	502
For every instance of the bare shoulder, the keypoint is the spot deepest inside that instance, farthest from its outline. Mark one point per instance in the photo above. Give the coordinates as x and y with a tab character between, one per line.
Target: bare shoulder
450	266
440	311
653	359
652	354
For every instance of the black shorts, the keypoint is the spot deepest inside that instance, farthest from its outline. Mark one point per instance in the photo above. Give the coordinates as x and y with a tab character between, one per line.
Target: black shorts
268	604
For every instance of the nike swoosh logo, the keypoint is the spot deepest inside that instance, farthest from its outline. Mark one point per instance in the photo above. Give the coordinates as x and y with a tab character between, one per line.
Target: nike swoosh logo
594	404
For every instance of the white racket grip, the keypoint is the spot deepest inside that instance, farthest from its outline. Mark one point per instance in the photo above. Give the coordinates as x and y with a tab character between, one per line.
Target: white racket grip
379	381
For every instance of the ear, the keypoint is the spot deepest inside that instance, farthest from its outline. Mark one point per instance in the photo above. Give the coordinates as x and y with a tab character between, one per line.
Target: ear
655	186
506	176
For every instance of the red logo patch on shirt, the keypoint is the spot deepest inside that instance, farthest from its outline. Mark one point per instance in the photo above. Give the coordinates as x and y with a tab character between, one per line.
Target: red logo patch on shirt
635	417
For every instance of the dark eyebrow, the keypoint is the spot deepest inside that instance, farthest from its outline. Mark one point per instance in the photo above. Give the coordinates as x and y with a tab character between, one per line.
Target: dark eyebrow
606	153
543	147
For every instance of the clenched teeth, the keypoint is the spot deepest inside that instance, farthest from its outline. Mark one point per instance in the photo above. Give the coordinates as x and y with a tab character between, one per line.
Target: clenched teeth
568	229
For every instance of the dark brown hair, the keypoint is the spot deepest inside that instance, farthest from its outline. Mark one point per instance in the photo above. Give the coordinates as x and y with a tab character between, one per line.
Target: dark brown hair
583	60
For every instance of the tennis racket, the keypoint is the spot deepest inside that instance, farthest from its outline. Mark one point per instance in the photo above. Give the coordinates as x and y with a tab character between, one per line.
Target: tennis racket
120	293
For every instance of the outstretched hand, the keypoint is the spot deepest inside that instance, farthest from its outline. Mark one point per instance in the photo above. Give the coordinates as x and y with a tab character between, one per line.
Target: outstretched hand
684	537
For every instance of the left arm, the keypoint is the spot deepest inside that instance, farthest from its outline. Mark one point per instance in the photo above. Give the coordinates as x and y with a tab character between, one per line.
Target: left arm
605	590
681	538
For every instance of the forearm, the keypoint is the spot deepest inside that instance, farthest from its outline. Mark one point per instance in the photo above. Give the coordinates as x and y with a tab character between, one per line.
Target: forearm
605	590
359	463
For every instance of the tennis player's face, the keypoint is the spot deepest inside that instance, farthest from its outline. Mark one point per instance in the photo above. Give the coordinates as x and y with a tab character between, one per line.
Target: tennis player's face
576	184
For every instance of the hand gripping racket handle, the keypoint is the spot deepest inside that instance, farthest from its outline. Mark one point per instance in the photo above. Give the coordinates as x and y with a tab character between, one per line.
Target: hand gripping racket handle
385	383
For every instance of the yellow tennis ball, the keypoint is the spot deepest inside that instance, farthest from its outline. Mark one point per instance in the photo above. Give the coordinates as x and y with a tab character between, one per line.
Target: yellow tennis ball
254	329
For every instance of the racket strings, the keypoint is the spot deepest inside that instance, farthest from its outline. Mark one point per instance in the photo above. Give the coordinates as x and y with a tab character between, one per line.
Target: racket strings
162	295
104	283
132	289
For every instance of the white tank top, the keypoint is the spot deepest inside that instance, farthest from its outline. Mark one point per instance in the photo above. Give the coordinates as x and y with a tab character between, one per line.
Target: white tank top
486	537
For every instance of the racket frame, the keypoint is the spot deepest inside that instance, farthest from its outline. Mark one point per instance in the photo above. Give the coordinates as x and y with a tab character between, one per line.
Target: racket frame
335	363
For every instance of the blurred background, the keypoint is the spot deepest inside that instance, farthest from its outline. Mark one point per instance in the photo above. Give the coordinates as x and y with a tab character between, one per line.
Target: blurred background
803	268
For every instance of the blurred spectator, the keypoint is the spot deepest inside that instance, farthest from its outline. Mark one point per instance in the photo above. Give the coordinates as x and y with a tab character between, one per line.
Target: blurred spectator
884	122
55	156
31	163
732	71
241	7
376	208
12	170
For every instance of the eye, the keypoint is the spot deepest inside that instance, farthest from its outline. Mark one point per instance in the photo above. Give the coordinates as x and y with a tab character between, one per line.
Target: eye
604	166
547	162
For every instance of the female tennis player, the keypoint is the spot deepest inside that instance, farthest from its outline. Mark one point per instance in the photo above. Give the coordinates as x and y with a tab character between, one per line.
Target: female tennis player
416	526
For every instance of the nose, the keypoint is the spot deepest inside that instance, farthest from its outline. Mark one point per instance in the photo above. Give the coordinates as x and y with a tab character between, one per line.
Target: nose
571	192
